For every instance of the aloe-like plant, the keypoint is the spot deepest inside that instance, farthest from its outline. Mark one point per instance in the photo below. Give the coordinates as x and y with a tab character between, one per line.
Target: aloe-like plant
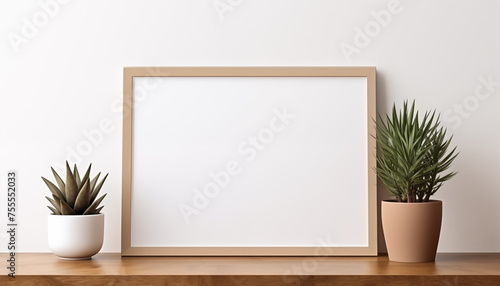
78	195
412	154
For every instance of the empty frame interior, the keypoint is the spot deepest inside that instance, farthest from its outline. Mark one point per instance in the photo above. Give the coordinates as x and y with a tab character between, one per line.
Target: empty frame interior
249	161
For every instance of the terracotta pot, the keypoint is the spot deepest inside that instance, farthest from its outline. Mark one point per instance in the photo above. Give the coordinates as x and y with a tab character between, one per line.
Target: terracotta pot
76	237
412	230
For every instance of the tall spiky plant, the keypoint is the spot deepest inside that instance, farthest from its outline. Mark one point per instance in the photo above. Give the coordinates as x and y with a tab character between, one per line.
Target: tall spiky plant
412	154
78	195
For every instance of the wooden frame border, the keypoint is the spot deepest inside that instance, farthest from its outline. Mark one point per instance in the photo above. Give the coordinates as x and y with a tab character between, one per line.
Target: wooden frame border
130	72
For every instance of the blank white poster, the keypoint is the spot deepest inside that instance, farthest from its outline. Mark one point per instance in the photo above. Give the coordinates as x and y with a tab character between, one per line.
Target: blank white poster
249	162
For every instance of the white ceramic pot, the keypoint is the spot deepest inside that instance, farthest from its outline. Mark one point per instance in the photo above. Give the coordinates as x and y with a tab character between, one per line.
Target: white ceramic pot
76	236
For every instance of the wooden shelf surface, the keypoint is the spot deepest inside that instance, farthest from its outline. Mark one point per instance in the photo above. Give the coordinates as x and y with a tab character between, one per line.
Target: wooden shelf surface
112	269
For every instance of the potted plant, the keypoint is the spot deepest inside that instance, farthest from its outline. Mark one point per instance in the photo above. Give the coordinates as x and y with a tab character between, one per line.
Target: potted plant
412	155
76	226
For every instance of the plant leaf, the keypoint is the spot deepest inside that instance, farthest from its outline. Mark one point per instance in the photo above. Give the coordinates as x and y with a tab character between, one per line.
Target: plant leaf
54	211
66	209
92	208
71	187
58	201
93	182
53	189
60	183
97	189
86	176
83	198
76	174
54	203
98	210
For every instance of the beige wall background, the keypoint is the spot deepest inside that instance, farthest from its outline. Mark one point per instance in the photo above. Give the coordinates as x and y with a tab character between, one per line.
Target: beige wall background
61	84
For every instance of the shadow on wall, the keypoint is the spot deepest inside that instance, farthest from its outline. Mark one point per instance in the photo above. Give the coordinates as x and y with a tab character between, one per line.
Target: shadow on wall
381	191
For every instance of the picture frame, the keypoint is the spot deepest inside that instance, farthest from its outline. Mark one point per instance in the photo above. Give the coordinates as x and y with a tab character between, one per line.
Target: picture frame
249	161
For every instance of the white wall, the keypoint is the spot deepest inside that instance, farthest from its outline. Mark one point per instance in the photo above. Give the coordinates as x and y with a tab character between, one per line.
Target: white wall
62	77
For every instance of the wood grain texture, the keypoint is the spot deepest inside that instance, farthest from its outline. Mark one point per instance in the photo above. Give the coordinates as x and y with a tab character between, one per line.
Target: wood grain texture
251	280
111	269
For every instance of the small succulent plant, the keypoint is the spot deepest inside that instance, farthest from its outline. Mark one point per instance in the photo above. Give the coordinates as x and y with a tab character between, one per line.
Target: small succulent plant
78	195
